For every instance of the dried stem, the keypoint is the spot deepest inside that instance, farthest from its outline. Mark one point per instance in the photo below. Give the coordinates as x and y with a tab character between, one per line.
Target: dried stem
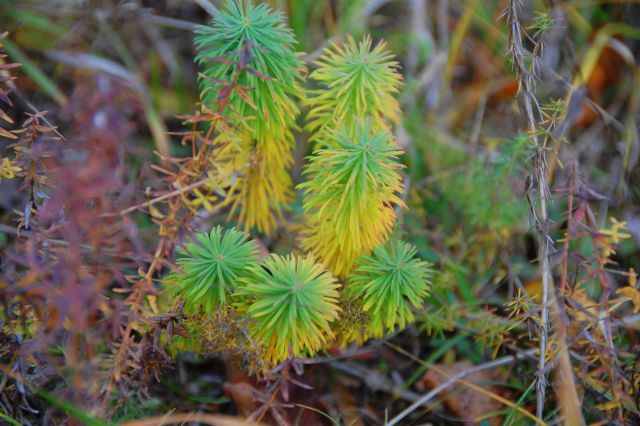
144	286
537	181
565	254
540	214
163	197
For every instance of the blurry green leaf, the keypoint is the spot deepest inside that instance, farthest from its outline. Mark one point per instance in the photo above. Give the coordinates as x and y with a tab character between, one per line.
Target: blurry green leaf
71	410
11	420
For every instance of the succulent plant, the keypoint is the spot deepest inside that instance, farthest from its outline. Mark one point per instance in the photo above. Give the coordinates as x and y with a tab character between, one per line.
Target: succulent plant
288	304
352	184
259	182
261	110
390	283
259	36
211	265
292	301
355	81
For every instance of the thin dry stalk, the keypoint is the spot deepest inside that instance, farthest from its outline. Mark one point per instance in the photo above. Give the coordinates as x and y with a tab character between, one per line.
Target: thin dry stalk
208	419
143	287
540	215
537	181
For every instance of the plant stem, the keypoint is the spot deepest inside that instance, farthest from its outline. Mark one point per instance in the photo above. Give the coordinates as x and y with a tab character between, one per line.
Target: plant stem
540	214
570	407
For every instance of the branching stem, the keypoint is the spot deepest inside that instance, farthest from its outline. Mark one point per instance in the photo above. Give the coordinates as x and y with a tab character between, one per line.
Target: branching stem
539	213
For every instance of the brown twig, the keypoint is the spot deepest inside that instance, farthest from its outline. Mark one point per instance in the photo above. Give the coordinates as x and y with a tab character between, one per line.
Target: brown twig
194	167
162	197
209	419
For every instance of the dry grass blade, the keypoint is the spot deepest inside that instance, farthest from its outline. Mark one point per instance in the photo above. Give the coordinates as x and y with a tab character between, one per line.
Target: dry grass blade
208	419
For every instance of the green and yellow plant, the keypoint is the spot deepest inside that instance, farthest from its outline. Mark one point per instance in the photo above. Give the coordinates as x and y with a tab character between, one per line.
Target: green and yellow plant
353	178
211	265
349	197
292	302
286	303
288	306
390	284
355	82
261	111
